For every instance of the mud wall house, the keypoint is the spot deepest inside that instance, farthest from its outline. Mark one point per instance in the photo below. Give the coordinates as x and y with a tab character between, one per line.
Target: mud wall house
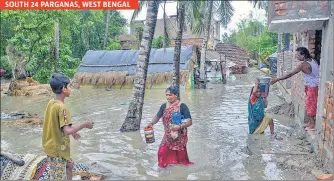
311	23
128	42
117	68
188	37
223	56
213	64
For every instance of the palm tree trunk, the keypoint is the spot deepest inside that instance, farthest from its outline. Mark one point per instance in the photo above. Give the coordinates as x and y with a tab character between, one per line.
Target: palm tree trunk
204	47
134	115
164	41
107	30
56	39
177	49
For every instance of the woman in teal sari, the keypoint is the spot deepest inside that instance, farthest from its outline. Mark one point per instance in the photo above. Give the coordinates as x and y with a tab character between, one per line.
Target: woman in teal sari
257	121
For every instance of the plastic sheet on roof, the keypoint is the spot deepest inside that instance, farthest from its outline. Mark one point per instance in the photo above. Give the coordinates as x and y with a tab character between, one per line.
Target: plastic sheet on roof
126	60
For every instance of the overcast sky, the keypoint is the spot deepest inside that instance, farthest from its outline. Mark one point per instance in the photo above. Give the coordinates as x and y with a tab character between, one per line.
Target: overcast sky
241	10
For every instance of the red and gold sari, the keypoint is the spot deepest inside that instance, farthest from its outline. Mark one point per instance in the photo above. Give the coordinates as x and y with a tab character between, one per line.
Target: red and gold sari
173	151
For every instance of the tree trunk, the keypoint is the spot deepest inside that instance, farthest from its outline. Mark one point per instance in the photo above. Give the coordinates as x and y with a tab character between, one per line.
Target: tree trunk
85	37
107	30
164	41
134	115
140	37
177	48
204	47
56	36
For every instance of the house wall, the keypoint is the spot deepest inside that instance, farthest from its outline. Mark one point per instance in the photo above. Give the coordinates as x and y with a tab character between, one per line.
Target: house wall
322	139
325	115
190	41
297	16
193	41
128	45
282	10
189	38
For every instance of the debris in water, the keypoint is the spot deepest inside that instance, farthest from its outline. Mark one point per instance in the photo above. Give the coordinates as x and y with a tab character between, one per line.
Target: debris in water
77	177
5	116
279	138
123	103
24	122
246	150
325	177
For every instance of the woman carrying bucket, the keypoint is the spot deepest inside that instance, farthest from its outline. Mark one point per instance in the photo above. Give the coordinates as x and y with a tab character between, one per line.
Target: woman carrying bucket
257	121
173	147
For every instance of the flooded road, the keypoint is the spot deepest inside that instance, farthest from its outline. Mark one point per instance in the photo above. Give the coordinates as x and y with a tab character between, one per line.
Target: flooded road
219	142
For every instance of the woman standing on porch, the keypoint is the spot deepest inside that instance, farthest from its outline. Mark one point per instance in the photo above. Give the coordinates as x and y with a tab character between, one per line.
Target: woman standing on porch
310	68
173	150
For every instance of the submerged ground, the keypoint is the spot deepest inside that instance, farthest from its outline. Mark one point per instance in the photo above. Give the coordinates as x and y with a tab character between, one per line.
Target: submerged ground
219	142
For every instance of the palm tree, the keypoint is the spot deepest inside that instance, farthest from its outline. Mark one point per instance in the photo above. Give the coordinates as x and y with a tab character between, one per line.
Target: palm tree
178	42
204	47
105	41
207	10
56	39
164	43
134	115
195	13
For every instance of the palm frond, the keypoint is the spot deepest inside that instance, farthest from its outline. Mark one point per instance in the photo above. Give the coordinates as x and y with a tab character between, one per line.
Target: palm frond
195	12
166	35
223	10
136	12
260	4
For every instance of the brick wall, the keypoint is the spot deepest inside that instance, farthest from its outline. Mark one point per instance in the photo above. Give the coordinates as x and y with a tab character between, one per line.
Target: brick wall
284	66
278	10
326	140
311	42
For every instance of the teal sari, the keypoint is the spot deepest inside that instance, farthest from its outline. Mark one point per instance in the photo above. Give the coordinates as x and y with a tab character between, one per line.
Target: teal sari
255	113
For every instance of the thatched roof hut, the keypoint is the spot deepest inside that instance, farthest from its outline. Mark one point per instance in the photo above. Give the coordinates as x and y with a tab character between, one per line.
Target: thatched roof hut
235	54
118	67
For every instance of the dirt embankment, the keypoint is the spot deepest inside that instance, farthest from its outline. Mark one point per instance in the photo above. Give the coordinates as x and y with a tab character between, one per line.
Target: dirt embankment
28	87
20	119
302	162
285	109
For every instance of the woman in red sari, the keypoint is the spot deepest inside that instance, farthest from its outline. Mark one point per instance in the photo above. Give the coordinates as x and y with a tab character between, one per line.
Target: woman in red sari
173	150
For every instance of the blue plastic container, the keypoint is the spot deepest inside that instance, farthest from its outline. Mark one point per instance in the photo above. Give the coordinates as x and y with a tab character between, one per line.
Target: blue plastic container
176	118
264	83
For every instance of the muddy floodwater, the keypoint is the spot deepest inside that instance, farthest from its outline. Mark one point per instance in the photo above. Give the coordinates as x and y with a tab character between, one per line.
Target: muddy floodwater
219	142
